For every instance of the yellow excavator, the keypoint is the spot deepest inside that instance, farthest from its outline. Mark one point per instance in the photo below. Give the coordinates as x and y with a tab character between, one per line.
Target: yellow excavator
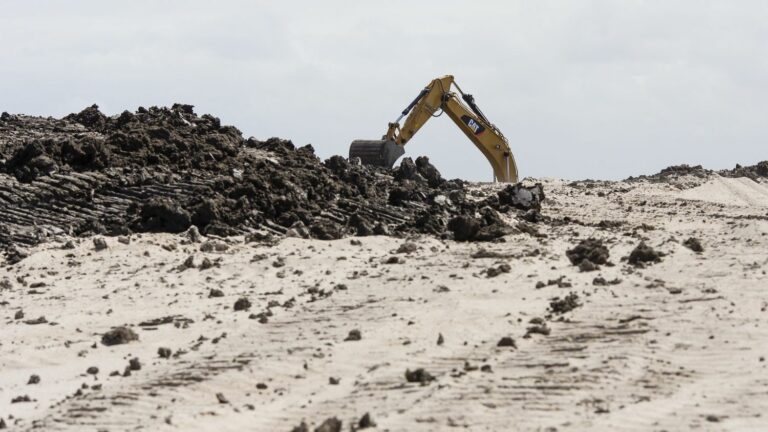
435	99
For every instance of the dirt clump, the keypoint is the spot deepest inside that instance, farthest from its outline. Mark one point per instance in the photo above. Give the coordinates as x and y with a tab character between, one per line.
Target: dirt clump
643	254
419	375
242	304
564	305
330	425
693	244
591	250
118	336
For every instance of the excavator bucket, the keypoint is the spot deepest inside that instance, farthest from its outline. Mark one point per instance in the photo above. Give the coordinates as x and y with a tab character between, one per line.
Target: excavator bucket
381	153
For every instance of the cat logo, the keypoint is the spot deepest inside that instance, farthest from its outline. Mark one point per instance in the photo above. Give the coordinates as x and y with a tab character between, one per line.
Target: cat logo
476	127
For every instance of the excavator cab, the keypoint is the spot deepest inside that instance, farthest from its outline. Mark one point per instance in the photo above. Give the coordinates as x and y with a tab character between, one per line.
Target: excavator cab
463	111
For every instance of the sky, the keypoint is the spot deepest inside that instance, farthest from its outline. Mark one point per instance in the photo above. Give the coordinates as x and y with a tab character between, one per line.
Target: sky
599	89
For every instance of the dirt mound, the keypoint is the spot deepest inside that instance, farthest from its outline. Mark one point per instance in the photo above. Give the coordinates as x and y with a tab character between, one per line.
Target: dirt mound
166	169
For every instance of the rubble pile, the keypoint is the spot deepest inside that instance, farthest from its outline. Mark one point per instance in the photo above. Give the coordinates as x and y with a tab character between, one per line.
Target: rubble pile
167	169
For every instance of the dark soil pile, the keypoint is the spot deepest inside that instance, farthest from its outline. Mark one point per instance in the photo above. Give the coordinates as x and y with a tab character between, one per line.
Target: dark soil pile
167	169
643	254
759	170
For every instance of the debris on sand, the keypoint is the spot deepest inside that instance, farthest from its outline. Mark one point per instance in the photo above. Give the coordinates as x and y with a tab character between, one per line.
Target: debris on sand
407	248
330	425
242	304
354	335
366	421
495	271
541	329
601	281
693	244
118	336
99	243
418	376
643	254
591	250
564	305
506	341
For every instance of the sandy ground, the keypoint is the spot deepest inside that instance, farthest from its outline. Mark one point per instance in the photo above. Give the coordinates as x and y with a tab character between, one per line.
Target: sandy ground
678	345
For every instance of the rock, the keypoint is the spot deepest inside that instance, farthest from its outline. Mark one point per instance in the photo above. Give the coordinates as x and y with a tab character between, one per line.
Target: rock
99	243
215	292
564	305
522	197
118	336
242	304
587	266
354	335
590	249
644	254
507	341
366	422
600	281
164	352
440	339
36	321
206	264
214	246
495	271
189	262
693	244
221	398
33	379
301	428
124	240
407	248
134	364
532	216
418	376
330	425
193	234
93	370
394	260
464	228
18	315
21	399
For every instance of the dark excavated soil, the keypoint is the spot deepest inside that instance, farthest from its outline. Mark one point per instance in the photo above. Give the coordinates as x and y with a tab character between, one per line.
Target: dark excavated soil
167	169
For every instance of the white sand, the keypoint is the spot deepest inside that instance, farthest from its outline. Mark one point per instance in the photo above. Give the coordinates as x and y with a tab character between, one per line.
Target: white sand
676	346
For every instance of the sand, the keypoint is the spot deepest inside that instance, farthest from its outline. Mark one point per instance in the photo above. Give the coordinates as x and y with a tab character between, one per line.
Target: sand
676	345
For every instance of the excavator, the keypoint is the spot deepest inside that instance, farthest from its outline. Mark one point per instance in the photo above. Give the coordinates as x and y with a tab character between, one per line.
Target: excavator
434	99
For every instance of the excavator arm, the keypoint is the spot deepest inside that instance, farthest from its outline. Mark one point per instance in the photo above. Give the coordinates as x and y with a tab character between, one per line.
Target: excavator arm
437	96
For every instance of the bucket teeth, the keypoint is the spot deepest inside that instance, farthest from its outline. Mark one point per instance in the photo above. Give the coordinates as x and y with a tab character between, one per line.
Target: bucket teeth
381	153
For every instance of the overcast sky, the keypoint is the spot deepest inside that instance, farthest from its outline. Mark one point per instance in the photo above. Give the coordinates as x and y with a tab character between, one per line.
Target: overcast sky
582	89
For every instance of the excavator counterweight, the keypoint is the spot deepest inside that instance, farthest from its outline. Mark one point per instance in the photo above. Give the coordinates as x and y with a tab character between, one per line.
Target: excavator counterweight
465	114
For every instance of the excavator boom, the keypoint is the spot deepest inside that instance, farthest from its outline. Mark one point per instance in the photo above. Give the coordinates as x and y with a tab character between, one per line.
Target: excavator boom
438	95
